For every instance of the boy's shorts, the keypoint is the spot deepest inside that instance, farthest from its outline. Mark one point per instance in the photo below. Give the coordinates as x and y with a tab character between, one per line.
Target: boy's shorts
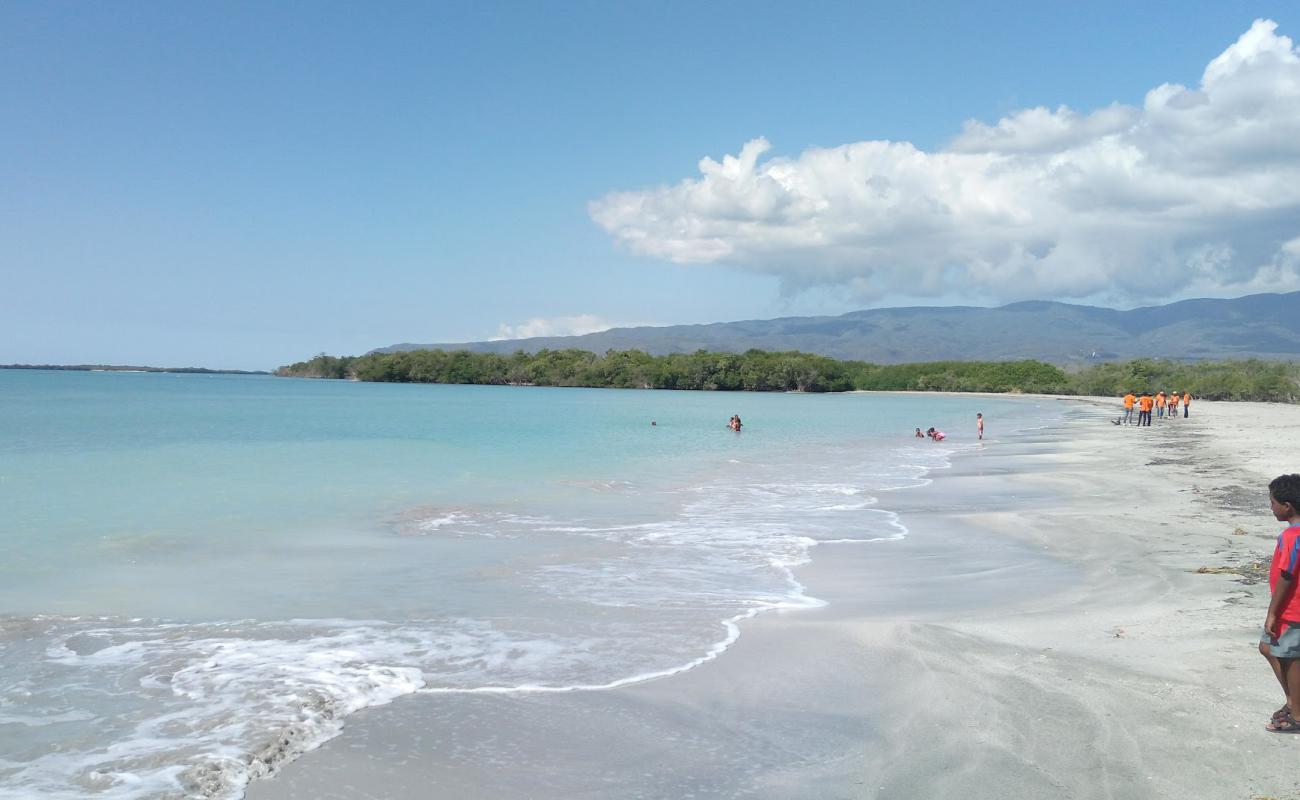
1287	644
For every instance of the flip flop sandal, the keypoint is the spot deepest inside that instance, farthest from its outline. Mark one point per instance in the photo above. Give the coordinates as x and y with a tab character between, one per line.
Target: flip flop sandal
1287	724
1280	713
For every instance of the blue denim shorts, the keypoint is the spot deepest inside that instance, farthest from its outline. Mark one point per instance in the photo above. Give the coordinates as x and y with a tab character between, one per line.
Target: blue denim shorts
1286	644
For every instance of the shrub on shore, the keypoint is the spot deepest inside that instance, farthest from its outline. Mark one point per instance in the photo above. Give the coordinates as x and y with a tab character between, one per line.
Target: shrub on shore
1248	379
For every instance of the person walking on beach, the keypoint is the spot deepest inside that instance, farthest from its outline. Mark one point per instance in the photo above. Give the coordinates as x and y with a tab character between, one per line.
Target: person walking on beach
979	425
1144	409
1160	405
1280	643
1187	403
1173	404
1129	400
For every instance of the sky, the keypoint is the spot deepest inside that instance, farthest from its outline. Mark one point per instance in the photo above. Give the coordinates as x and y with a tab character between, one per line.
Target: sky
243	185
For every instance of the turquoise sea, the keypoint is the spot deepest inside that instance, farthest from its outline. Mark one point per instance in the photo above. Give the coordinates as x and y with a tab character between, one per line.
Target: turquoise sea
202	576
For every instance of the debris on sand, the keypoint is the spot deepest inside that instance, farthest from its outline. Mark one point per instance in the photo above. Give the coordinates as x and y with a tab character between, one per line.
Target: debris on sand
1254	572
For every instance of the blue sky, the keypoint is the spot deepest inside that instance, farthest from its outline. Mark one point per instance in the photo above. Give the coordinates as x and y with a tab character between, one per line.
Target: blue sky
244	185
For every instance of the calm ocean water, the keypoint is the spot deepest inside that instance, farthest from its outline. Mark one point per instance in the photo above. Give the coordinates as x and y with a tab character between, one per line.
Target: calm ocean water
202	576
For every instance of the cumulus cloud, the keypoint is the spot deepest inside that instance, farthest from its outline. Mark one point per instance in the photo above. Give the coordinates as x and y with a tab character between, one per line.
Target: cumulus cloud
1197	190
555	326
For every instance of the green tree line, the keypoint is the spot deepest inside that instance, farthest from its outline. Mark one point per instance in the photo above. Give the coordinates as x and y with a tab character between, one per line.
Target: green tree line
1247	379
792	371
753	370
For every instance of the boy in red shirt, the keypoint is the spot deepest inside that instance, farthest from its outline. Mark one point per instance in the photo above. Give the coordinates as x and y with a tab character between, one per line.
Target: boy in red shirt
1280	643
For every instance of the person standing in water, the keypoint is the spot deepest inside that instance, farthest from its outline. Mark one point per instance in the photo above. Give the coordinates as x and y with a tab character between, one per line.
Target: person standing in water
979	425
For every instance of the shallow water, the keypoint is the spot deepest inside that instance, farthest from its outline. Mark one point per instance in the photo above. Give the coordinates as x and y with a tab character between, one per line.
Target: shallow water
201	576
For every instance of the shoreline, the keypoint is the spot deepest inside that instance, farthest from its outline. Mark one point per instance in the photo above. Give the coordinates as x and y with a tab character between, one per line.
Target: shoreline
1102	654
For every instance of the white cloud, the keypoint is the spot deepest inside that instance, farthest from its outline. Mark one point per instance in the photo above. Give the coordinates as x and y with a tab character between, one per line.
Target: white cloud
1038	130
1198	190
555	326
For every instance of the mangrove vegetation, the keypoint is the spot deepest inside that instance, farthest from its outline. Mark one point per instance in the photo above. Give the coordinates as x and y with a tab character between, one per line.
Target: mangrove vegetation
792	371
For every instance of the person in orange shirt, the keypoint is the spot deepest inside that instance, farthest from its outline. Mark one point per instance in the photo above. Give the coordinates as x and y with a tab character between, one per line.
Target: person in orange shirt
1173	404
1145	404
1187	403
1129	400
1160	405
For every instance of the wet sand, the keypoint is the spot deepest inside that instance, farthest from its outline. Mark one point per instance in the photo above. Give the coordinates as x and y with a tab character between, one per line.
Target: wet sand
1043	631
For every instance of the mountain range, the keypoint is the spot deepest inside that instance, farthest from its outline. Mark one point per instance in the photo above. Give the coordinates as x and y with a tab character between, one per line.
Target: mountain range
1260	325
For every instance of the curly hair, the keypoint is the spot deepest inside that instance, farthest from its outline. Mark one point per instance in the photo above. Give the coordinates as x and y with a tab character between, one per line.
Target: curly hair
1286	489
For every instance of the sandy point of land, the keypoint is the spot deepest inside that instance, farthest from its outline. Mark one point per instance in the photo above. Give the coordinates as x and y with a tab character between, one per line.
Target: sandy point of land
1074	615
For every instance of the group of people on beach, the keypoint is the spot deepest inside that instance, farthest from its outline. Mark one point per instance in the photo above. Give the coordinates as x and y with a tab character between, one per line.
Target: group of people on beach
937	435
1160	403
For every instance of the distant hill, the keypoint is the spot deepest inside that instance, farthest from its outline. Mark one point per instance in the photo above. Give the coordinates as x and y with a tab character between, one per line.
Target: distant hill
1261	325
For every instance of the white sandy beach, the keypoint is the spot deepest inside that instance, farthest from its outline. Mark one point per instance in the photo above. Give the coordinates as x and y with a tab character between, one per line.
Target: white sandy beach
1050	637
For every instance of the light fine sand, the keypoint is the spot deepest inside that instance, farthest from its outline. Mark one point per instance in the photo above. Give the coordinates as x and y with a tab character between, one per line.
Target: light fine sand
1047	635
